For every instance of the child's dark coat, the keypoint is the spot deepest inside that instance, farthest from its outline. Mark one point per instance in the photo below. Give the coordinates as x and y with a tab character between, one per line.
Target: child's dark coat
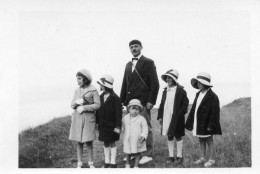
207	115
181	102
109	116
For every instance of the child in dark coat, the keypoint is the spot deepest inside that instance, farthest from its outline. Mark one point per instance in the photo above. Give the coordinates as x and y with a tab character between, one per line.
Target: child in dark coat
171	114
109	120
203	119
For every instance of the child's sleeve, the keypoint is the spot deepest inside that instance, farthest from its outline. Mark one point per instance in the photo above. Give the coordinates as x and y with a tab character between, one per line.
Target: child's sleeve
73	102
144	128
96	102
123	125
184	104
214	114
118	112
160	110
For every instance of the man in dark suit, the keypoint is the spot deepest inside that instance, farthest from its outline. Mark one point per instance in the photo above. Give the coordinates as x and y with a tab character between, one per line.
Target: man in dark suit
141	82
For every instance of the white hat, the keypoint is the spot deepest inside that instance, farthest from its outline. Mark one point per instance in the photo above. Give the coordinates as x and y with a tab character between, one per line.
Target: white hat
203	78
86	73
135	102
107	81
173	73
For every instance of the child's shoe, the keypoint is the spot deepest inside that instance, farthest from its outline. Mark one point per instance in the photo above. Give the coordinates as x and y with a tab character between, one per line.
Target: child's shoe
79	165
132	157
209	163
170	160
91	165
145	159
200	161
106	165
127	166
113	166
179	160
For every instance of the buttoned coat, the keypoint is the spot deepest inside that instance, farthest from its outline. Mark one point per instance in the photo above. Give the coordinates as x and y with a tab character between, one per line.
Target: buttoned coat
208	115
83	124
134	88
134	128
109	116
181	102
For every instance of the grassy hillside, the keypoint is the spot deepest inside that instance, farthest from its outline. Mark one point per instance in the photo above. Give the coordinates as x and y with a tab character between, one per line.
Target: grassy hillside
47	146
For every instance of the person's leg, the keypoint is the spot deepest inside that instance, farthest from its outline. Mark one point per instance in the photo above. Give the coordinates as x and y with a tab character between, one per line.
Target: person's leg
149	141
90	154
107	154
203	147
211	160
170	159
80	153
170	147
137	159
202	151
211	147
179	149
127	164
113	154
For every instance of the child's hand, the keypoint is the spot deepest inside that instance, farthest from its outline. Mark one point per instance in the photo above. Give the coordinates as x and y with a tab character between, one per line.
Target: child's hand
116	130
141	139
80	109
160	121
79	101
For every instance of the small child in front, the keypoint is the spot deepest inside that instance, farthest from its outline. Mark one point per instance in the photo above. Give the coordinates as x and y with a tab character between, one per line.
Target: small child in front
136	131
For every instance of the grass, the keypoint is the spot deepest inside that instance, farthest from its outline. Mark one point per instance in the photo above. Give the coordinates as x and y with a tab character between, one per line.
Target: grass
48	146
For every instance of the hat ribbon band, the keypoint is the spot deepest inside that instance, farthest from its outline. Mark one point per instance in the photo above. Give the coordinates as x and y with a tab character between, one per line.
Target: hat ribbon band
204	78
104	80
173	75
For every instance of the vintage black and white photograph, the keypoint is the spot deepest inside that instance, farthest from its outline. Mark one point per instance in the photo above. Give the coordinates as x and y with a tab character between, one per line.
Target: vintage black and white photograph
129	84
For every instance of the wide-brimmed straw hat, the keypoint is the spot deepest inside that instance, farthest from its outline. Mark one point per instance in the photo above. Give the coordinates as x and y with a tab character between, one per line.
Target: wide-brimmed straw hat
86	73
135	102
203	78
107	81
173	73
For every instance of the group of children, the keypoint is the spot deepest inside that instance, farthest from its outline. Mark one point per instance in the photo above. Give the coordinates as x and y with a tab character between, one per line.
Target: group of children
105	112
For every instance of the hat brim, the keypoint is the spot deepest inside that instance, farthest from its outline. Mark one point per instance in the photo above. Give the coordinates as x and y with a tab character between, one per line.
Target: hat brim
194	83
165	75
106	84
135	104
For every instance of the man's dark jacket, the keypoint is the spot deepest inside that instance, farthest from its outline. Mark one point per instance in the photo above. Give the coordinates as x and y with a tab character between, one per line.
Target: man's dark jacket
181	102
134	88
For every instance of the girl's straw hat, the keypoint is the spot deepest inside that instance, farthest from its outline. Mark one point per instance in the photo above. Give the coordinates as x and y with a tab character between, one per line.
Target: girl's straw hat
135	102
173	73
203	78
86	73
107	81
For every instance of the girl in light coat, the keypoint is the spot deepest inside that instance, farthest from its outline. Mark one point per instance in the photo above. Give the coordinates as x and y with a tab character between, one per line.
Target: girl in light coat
85	102
136	132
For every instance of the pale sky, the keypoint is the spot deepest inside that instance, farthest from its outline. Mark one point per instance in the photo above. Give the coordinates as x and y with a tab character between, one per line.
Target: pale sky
57	40
45	42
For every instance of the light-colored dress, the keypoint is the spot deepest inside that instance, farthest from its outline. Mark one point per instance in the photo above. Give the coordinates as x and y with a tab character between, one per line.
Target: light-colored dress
194	131
134	128
168	109
83	125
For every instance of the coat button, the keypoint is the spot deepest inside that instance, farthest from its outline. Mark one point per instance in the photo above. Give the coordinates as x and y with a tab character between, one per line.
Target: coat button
128	92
